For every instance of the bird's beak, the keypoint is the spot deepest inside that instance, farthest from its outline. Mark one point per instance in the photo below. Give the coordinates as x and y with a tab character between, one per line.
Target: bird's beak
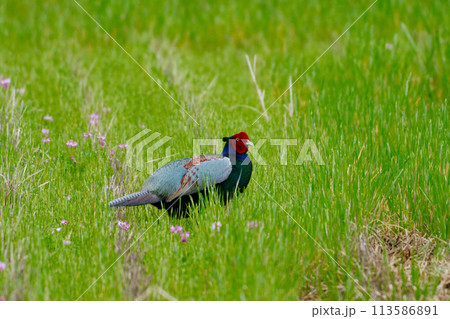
248	143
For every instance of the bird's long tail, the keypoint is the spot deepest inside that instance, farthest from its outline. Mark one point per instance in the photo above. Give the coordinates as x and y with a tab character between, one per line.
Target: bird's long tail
135	199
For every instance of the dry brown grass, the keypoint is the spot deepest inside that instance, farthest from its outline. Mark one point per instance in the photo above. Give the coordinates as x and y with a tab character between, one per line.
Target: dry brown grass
443	290
387	257
390	255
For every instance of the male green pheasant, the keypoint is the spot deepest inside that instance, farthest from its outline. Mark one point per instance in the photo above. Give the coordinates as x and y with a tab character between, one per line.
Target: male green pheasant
179	183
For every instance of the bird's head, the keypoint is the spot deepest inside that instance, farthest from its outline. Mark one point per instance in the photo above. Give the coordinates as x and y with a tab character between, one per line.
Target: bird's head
238	143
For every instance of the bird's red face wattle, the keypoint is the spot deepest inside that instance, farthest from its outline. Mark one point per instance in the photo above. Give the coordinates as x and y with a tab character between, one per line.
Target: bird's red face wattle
239	142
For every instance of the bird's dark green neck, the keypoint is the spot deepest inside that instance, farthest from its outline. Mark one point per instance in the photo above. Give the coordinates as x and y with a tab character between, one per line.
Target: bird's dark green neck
228	151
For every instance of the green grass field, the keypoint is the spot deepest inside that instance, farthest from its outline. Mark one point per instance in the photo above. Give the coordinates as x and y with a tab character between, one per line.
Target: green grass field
373	222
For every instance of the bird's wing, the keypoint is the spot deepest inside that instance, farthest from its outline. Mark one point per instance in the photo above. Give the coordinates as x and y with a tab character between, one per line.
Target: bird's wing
202	171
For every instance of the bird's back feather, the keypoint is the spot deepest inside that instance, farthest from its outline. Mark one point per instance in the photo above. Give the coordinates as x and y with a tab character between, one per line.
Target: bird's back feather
172	177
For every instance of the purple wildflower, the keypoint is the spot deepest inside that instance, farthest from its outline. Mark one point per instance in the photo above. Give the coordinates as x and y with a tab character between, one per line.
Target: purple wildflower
389	46
67	242
93	119
73	159
184	237
48	118
45	132
71	143
87	134
121	146
63	222
69	197
112	152
46	140
123	225
5	82
2	266
176	229
21	91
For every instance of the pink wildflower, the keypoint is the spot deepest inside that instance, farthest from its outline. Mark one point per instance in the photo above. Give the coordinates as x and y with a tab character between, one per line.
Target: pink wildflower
73	159
71	143
112	152
2	266
123	225
254	224
48	118
20	91
216	225
102	139
67	242
46	140
69	197
123	145
63	222
45	132
184	237
176	229
87	135
5	82
93	119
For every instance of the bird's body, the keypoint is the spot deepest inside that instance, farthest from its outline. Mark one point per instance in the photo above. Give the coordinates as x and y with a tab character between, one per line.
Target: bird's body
179	183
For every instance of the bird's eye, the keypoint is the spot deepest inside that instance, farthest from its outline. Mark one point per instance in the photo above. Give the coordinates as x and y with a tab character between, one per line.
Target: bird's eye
237	139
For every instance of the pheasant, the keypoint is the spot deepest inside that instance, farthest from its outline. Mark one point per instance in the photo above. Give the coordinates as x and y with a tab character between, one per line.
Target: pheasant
179	183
